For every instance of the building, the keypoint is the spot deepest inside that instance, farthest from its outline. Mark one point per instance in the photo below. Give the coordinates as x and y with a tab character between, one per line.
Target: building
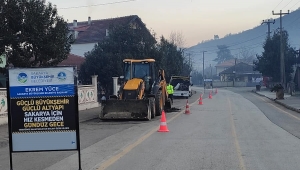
241	72
88	33
73	60
225	65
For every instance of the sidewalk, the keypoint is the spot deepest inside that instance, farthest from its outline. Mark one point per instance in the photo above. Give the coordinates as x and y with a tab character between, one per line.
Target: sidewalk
290	102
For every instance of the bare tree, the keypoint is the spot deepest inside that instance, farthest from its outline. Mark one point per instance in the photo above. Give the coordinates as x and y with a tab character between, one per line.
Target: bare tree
245	54
178	39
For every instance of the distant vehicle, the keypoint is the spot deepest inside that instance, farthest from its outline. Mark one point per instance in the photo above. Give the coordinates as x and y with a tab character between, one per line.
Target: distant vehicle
208	83
182	86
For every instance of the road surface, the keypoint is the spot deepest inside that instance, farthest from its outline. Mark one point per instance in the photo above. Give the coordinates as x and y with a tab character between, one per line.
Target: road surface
235	130
92	132
227	132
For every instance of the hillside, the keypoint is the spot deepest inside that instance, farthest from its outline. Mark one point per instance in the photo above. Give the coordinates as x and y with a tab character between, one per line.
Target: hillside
251	40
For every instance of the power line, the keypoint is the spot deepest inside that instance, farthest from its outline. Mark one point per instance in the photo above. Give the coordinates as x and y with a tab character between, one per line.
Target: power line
246	40
294	16
293	21
109	3
260	44
233	44
276	7
277	4
287	4
295	4
252	46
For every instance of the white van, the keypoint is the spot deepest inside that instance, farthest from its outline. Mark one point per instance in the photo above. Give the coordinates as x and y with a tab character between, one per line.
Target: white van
182	86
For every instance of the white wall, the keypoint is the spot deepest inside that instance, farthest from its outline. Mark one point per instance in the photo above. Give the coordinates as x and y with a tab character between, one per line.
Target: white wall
80	49
230	84
3	101
88	95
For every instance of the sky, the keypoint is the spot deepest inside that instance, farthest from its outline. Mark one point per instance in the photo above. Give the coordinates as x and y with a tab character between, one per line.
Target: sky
196	20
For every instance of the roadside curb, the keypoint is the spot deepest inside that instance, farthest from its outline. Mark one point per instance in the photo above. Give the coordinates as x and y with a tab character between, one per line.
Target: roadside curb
288	107
278	102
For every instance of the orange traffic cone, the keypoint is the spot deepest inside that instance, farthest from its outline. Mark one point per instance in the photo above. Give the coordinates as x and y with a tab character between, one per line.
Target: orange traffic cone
210	95
216	91
163	123
200	100
187	107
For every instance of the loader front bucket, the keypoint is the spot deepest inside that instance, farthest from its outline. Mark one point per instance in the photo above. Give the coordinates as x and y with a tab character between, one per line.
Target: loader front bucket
126	109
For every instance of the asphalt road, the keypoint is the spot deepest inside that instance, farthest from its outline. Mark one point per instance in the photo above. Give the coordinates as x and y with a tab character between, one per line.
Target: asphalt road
236	129
93	133
286	119
227	132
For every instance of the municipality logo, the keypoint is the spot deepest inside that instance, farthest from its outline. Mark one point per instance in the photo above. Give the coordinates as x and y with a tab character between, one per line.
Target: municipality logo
62	76
22	78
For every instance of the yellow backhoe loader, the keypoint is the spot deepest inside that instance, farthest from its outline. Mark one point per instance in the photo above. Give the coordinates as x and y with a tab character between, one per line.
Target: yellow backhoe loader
142	94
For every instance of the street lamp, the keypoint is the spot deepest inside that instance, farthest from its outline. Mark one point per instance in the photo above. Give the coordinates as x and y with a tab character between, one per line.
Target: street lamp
203	71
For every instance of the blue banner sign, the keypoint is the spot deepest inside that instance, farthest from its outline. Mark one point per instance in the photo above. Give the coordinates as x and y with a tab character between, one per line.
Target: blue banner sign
37	82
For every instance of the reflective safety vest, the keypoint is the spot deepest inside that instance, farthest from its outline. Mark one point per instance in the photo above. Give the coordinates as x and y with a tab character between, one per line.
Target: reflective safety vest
170	89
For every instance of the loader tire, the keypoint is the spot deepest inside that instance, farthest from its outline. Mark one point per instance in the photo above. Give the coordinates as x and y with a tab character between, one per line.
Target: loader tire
168	104
152	106
149	116
159	105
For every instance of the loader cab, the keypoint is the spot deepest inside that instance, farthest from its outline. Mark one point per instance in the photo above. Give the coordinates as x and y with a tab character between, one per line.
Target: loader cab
143	69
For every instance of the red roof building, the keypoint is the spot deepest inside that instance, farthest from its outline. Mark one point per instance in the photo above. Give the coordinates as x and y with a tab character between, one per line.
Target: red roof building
88	33
93	31
73	60
225	65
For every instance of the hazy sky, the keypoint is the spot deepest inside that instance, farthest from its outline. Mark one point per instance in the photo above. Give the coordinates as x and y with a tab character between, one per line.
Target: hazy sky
197	20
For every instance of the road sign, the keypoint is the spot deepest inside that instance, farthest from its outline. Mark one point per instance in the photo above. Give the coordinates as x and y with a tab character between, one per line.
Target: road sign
43	109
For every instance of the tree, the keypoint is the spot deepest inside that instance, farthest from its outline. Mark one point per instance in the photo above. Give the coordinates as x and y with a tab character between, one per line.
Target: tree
223	54
171	59
32	33
268	63
177	39
246	55
187	66
197	77
105	60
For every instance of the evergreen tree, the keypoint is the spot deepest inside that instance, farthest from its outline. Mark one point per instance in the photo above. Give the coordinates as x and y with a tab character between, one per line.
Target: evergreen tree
223	54
32	33
268	63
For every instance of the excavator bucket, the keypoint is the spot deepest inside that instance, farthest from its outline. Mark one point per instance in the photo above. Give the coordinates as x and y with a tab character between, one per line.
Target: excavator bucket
126	109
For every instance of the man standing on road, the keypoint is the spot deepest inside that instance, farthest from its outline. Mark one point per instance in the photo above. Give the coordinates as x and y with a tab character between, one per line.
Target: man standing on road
170	90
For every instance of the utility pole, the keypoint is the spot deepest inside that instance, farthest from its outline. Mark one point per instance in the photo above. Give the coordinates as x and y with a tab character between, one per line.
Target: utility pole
282	65
268	22
297	57
182	62
234	72
203	72
210	71
189	60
